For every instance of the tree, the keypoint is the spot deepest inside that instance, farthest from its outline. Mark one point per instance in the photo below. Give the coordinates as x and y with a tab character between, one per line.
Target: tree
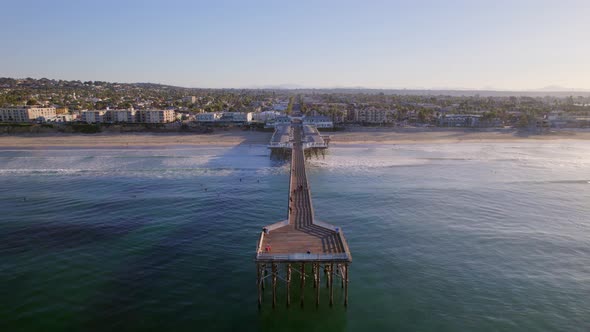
32	102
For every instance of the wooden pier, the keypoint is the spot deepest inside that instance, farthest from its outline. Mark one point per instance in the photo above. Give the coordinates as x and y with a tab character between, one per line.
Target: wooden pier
301	245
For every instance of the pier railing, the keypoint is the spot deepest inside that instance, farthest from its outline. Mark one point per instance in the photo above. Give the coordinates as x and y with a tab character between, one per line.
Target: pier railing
302	257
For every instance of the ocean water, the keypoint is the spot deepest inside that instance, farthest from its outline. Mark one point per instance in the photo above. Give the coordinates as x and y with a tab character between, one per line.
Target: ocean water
457	237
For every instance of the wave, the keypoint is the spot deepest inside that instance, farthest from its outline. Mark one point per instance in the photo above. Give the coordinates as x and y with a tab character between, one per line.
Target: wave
156	172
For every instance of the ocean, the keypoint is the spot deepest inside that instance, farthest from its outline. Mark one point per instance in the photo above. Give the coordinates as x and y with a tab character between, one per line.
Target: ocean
444	237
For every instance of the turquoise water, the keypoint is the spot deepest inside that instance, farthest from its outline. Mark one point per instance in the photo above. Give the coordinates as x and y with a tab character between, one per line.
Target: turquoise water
460	237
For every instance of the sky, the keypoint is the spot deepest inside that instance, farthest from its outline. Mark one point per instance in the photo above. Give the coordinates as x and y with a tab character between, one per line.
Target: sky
419	44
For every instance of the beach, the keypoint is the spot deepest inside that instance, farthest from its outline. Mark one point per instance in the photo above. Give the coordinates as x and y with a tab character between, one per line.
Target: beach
234	137
219	138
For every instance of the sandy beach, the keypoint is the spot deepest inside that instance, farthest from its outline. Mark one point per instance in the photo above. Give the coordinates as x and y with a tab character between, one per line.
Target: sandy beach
220	138
240	137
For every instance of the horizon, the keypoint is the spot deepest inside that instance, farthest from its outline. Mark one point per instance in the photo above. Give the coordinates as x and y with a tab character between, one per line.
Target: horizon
529	46
548	89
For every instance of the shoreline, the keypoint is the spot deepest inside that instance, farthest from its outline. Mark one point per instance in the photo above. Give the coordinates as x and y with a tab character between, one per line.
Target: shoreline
240	137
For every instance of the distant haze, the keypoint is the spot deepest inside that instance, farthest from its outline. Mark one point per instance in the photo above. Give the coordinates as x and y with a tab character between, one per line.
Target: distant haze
519	45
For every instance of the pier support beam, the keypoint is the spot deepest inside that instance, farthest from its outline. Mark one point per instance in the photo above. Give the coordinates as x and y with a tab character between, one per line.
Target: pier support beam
327	275
345	285
274	285
331	272
302	283
317	282
288	285
259	284
263	275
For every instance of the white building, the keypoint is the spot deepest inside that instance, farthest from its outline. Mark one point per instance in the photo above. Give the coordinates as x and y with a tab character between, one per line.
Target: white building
65	117
92	116
128	115
318	121
279	120
265	116
27	114
236	117
460	120
372	115
156	116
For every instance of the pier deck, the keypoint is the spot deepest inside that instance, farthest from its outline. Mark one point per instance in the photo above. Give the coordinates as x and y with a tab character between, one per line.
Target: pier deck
300	234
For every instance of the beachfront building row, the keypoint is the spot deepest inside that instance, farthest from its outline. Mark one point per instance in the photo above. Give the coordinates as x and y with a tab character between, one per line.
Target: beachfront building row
27	114
225	117
316	121
128	116
373	115
560	119
459	120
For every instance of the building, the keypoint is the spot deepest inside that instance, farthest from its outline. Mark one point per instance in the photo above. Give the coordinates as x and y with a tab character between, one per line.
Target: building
189	99
114	116
93	116
236	117
65	117
318	121
61	110
265	116
559	119
281	106
27	114
277	121
208	117
372	115
156	116
225	117
460	120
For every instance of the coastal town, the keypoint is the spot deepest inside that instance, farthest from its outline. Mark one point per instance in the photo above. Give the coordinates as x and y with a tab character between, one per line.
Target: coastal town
83	105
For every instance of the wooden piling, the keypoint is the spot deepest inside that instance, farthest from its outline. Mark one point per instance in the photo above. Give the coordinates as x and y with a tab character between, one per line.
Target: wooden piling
288	285
346	285
263	275
331	272
302	282
259	284
274	285
317	289
314	271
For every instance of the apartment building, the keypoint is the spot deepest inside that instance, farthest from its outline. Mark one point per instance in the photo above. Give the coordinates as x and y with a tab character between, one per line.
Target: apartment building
27	114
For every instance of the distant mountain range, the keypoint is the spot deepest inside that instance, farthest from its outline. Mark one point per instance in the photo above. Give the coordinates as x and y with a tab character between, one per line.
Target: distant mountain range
552	90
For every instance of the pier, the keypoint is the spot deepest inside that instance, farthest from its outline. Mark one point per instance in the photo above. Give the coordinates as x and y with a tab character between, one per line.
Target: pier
301	247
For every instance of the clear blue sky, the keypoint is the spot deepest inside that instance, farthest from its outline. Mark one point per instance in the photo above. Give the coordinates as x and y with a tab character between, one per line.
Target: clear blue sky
519	44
